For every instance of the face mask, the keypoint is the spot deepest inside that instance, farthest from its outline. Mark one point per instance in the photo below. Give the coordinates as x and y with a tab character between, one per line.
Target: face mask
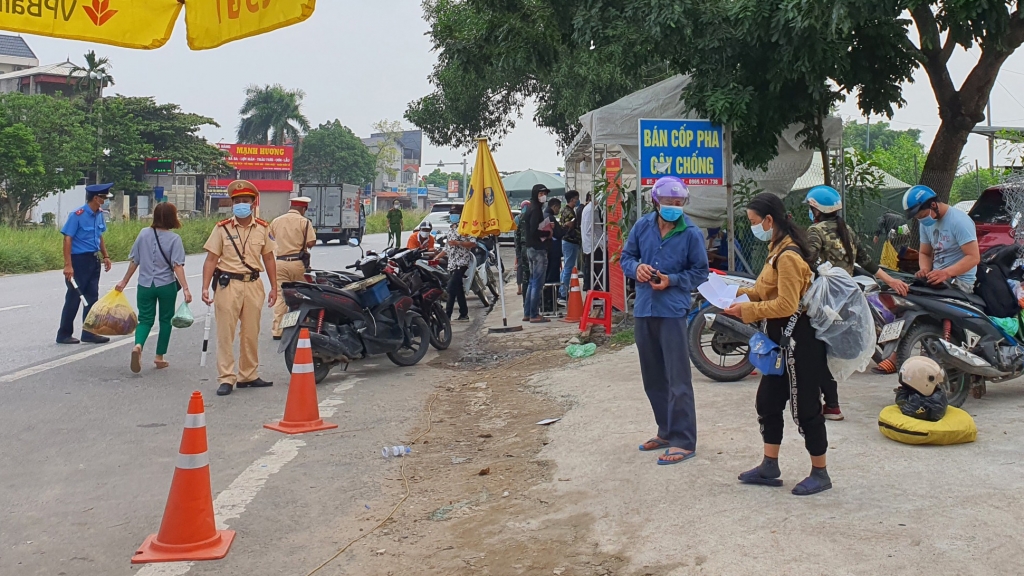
542	199
453	218
424	235
810	214
927	220
242	210
761	234
671	213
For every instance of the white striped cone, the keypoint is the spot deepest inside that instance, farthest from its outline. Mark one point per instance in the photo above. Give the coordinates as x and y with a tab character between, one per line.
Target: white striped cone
301	410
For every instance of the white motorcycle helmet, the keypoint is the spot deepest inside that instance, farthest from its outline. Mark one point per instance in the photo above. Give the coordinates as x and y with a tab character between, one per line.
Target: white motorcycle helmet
922	374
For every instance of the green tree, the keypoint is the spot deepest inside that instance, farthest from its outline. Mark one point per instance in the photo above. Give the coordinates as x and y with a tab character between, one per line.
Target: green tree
441	179
332	153
385	148
173	133
969	184
272	114
904	158
21	164
120	149
65	139
856	134
89	80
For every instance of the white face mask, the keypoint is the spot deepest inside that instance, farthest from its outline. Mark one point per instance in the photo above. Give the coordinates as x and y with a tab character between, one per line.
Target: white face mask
543	198
424	235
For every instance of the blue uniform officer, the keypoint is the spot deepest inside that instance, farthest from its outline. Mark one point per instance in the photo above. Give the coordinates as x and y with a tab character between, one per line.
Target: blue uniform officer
83	247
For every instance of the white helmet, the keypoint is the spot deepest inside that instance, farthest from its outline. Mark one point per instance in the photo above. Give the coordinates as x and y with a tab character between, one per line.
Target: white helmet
922	374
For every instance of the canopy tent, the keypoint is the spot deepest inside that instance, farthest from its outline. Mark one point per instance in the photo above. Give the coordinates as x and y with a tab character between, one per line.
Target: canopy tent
613	130
518	186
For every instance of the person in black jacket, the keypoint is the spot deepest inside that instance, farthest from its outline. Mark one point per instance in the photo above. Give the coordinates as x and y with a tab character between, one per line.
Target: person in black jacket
538	239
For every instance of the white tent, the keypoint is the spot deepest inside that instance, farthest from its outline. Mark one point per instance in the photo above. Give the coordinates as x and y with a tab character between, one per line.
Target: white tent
613	130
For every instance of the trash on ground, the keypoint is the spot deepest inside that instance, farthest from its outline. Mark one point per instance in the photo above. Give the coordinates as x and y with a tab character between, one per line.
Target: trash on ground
460	460
581	350
443	512
548	421
395	451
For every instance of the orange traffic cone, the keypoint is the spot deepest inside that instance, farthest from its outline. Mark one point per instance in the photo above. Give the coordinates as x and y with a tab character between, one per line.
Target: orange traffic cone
575	312
301	411
188	531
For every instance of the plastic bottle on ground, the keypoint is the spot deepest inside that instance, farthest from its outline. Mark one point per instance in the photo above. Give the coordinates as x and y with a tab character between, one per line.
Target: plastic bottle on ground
395	451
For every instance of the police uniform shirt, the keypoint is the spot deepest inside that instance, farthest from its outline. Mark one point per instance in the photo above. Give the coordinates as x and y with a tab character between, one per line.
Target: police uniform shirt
253	242
291	232
85	228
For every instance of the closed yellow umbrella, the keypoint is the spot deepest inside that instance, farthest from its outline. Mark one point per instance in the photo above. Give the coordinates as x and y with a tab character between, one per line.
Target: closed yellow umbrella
147	24
487	213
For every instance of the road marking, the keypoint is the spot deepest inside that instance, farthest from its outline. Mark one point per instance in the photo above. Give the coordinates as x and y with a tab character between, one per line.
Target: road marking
33	370
231	503
14	307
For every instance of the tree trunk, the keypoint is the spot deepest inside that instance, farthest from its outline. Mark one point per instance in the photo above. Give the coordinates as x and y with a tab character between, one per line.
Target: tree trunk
825	167
944	157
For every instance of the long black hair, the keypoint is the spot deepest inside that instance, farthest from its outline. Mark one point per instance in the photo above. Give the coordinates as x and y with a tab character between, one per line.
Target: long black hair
767	204
844	234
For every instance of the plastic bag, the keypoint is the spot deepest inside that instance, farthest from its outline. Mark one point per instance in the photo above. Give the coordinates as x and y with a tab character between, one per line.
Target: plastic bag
182	316
111	315
1018	291
841	318
581	350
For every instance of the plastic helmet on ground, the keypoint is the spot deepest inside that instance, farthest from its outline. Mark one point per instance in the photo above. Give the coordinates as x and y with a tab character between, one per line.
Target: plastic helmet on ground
922	374
824	199
916	198
670	187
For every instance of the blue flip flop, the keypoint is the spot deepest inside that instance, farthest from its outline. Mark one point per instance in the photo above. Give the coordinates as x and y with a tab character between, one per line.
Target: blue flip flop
660	444
671	462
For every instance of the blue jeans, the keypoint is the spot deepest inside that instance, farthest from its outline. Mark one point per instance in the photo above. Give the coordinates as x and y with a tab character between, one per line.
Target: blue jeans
538	270
570	258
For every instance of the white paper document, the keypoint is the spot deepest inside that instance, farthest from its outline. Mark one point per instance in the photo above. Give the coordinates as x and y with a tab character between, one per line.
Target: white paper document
720	294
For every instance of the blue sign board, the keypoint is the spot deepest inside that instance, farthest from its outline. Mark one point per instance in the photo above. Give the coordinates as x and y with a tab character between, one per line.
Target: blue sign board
422	191
368	189
691	150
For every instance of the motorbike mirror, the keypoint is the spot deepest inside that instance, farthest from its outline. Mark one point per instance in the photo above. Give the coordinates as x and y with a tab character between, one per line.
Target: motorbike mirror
1016	220
353	242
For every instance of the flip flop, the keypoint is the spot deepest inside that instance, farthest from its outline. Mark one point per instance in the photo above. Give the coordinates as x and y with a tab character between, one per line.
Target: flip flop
754	477
661	444
671	462
136	360
161	364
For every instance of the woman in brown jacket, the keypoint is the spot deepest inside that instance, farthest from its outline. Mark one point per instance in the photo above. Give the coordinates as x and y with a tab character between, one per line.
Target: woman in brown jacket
775	297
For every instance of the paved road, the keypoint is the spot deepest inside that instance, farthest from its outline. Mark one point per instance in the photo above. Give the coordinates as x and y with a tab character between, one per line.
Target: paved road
89	448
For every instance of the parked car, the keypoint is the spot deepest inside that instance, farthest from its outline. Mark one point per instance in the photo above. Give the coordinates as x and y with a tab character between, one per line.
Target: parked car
992	220
510	237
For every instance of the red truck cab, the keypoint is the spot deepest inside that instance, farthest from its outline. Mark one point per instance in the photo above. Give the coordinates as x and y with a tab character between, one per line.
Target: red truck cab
992	220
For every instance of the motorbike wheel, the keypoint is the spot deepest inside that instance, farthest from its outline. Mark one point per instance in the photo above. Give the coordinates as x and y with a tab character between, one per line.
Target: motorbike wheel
417	340
440	327
957	385
713	364
482	296
494	291
320	368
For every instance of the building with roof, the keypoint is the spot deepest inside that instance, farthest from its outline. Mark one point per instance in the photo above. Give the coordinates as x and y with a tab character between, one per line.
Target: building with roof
15	54
50	79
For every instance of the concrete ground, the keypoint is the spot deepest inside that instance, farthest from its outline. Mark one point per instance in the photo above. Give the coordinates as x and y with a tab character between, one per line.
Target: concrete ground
894	509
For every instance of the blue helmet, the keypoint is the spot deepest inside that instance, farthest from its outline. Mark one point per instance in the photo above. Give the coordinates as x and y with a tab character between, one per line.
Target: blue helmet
916	198
825	199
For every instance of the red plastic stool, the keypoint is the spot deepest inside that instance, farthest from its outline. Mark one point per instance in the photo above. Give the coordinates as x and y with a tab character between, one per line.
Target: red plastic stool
606	319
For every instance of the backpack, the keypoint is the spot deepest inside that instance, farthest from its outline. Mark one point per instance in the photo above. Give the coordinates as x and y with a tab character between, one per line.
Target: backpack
992	287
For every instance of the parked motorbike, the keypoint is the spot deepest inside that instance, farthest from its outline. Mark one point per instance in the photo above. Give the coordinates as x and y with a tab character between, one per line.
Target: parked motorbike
476	280
427	283
372	316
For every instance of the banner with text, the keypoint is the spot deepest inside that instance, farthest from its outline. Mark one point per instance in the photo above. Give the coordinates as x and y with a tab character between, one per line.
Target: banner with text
259	157
690	150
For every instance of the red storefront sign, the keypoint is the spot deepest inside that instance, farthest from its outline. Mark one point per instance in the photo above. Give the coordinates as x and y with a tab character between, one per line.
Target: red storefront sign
259	157
221	184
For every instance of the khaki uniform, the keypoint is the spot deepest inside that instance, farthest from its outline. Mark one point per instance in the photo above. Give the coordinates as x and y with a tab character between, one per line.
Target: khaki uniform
240	300
290	232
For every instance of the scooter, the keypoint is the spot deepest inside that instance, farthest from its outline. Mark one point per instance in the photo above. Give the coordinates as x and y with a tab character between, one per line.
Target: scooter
372	316
427	285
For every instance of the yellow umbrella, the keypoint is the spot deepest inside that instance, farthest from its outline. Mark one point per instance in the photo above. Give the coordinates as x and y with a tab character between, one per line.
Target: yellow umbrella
486	212
147	24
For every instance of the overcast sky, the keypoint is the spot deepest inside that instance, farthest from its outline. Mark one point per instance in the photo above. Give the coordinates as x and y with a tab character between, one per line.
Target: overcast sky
362	61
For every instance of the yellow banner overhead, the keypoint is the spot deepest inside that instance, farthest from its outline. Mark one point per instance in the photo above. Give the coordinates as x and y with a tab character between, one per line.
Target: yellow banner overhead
486	212
143	24
212	24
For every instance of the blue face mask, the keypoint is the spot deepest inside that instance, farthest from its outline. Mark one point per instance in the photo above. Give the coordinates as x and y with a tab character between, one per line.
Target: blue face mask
810	214
927	221
671	213
454	218
761	234
242	210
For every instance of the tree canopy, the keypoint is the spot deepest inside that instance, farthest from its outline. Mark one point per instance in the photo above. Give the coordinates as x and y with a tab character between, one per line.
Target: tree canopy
882	136
332	153
272	114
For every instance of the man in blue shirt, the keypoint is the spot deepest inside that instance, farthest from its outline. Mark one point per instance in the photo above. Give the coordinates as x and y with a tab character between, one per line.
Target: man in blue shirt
949	240
667	257
83	245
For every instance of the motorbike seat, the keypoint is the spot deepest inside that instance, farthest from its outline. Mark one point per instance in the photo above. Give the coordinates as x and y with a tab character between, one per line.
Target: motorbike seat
949	293
340	291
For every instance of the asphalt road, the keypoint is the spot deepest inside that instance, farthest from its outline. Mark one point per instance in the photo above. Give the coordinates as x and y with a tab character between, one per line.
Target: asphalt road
89	448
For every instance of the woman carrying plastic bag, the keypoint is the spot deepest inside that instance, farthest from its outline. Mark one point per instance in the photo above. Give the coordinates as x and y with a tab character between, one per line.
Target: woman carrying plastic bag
159	256
833	243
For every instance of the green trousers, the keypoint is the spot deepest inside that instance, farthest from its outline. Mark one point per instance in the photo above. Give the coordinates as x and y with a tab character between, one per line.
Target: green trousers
147	300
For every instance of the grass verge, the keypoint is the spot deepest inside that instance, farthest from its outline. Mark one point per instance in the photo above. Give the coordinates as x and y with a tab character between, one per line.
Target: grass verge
377	223
37	249
624	338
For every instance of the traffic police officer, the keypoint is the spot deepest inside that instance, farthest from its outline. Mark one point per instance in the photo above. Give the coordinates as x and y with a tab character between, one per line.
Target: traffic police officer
238	250
293	236
83	245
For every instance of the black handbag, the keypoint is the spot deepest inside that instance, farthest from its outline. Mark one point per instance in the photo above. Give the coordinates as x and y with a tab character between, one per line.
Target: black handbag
166	257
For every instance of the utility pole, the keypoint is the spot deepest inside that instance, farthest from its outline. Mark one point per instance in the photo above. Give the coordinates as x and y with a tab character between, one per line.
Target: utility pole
464	183
869	134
